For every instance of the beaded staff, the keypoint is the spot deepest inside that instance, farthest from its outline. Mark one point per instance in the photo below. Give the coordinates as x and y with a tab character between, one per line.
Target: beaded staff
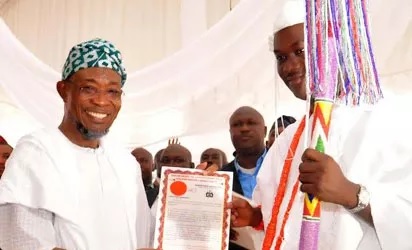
340	69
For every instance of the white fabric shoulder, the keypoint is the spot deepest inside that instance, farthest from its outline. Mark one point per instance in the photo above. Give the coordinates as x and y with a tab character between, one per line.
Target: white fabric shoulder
115	149
33	178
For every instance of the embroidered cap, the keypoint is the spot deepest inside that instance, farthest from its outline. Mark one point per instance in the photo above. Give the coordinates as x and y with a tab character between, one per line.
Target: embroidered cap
94	53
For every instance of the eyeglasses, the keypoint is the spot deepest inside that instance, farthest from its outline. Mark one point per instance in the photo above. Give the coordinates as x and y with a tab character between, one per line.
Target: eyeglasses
111	93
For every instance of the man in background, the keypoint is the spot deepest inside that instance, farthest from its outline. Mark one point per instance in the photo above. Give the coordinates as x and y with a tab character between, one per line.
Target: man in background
145	159
247	131
214	156
5	151
281	123
174	155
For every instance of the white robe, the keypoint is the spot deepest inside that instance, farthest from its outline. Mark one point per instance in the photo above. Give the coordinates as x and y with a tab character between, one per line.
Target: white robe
373	148
97	203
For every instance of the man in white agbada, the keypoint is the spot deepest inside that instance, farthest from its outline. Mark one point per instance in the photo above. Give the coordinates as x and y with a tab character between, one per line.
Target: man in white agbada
69	188
364	182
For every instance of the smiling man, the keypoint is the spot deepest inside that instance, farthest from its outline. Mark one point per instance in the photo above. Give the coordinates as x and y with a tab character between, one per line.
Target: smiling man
69	188
363	181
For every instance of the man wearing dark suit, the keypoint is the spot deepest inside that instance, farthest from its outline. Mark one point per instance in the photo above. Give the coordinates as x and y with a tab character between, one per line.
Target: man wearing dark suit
247	131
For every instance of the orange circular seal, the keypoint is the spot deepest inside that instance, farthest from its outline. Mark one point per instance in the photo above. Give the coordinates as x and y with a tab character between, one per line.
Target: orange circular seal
178	188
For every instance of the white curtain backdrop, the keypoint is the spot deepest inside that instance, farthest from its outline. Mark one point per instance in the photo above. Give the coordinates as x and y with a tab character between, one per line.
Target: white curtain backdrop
190	93
146	31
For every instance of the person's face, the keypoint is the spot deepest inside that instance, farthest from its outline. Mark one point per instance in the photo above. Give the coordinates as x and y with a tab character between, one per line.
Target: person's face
175	157
146	164
5	151
290	56
247	130
92	99
212	156
272	136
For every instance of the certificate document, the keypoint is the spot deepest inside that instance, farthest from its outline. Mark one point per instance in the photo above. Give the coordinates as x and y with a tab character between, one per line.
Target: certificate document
191	212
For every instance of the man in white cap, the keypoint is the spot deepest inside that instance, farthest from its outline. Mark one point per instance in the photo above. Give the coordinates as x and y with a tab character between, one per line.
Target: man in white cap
69	188
364	183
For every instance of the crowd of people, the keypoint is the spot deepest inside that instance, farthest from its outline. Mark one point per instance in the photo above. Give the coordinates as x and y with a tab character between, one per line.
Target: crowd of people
71	188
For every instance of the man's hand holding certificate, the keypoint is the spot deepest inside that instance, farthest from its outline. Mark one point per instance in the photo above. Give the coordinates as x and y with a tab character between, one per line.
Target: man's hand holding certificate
192	213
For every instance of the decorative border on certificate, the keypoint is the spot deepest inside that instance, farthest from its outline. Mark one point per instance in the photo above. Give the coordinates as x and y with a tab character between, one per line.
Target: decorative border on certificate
181	190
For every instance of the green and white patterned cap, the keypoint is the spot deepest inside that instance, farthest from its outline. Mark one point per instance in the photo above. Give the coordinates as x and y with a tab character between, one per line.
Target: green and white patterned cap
94	53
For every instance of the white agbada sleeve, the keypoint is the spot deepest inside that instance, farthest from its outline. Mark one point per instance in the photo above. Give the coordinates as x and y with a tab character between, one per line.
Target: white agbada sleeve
25	228
37	180
384	166
391	211
373	150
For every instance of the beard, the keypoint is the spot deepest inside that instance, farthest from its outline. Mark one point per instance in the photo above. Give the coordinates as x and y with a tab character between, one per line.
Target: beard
89	134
